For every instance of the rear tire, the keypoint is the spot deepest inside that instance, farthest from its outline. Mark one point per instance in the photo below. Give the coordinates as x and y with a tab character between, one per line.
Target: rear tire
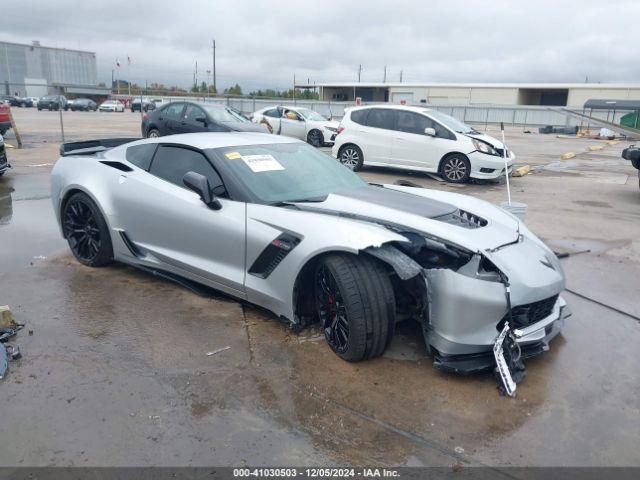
153	133
455	168
86	231
356	305
351	157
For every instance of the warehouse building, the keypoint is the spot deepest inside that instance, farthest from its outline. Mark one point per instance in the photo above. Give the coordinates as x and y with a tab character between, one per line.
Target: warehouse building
546	94
34	71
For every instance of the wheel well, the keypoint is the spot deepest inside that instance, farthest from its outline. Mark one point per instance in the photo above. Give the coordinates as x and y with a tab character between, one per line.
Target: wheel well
66	198
347	145
450	154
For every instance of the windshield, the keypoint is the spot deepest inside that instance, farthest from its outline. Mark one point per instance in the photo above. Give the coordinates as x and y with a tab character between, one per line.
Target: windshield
223	114
448	121
284	172
311	115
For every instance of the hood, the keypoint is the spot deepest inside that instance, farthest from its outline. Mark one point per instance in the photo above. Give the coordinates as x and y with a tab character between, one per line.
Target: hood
324	123
495	143
438	214
245	127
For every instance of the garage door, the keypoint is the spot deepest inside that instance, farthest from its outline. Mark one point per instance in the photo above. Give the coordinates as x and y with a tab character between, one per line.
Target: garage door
402	97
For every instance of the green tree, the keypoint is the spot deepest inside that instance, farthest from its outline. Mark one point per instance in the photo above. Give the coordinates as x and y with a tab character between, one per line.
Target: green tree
235	90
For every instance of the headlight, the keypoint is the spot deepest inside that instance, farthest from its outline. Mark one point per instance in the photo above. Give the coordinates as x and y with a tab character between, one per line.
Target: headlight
484	147
331	129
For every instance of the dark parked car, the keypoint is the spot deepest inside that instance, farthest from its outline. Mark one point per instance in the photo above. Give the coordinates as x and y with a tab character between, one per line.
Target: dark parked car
5	122
53	102
633	153
83	105
146	105
191	117
12	100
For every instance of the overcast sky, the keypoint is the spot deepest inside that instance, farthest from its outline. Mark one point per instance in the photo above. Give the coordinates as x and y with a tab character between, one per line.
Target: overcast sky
262	43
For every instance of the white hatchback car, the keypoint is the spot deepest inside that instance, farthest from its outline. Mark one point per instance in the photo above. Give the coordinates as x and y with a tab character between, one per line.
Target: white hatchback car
418	138
298	122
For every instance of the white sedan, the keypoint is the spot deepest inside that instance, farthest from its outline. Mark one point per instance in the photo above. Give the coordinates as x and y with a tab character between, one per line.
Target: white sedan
111	106
298	122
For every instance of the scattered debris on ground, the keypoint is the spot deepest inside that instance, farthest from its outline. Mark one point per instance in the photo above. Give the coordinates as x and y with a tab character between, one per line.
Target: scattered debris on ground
8	329
214	352
521	171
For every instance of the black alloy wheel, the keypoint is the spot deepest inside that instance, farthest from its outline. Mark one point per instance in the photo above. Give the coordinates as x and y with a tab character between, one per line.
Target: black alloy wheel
332	311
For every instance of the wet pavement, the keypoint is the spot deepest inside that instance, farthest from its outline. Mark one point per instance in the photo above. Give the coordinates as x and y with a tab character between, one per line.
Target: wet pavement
117	372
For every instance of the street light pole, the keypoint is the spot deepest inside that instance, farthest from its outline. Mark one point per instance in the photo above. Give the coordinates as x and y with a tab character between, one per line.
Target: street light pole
215	89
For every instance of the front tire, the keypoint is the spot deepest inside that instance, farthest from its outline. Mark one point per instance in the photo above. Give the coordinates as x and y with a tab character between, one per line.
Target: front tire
153	133
351	157
455	168
86	231
355	305
314	137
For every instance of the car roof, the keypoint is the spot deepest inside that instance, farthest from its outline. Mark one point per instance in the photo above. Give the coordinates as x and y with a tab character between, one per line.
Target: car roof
411	108
206	140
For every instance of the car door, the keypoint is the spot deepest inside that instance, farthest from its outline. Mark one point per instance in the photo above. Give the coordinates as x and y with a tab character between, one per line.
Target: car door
170	118
272	118
374	137
292	124
412	148
193	120
170	228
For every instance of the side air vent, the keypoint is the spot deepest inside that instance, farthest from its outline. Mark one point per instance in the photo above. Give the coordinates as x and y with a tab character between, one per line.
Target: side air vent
462	218
135	251
117	165
273	254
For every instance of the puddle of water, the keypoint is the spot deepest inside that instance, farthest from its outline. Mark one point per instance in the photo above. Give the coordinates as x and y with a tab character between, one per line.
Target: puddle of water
28	229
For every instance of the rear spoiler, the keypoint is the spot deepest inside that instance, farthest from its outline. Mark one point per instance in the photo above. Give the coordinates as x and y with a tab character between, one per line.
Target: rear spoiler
92	146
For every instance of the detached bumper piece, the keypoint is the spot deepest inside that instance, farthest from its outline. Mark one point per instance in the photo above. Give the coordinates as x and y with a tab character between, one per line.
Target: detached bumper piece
518	344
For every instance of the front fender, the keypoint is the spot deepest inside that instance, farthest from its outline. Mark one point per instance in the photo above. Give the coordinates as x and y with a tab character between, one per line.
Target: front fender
318	234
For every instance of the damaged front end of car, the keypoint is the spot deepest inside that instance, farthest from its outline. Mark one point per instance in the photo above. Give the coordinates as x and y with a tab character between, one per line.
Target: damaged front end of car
479	310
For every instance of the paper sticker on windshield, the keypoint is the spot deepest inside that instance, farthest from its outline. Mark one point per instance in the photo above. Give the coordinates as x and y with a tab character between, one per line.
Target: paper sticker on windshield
232	155
262	163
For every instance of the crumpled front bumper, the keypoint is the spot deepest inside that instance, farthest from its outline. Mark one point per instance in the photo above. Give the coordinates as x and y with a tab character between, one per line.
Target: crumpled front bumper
533	341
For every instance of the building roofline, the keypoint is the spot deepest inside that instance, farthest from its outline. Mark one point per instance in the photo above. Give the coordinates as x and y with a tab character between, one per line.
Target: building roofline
48	48
469	85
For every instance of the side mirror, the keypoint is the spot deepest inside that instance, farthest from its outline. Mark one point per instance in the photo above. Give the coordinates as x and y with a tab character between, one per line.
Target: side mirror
200	184
430	131
201	119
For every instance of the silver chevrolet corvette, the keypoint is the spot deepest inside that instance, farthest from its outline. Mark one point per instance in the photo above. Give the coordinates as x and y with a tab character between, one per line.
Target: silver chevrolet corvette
272	221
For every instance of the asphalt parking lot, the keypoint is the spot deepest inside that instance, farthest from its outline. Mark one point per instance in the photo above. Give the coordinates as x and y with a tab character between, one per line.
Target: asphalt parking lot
117	372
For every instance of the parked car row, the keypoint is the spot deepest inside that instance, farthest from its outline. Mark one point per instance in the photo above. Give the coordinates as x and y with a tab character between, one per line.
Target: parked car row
60	102
400	136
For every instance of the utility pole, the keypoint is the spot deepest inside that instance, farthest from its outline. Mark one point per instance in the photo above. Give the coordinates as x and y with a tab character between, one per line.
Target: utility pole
384	80
294	89
400	76
196	77
214	67
359	72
